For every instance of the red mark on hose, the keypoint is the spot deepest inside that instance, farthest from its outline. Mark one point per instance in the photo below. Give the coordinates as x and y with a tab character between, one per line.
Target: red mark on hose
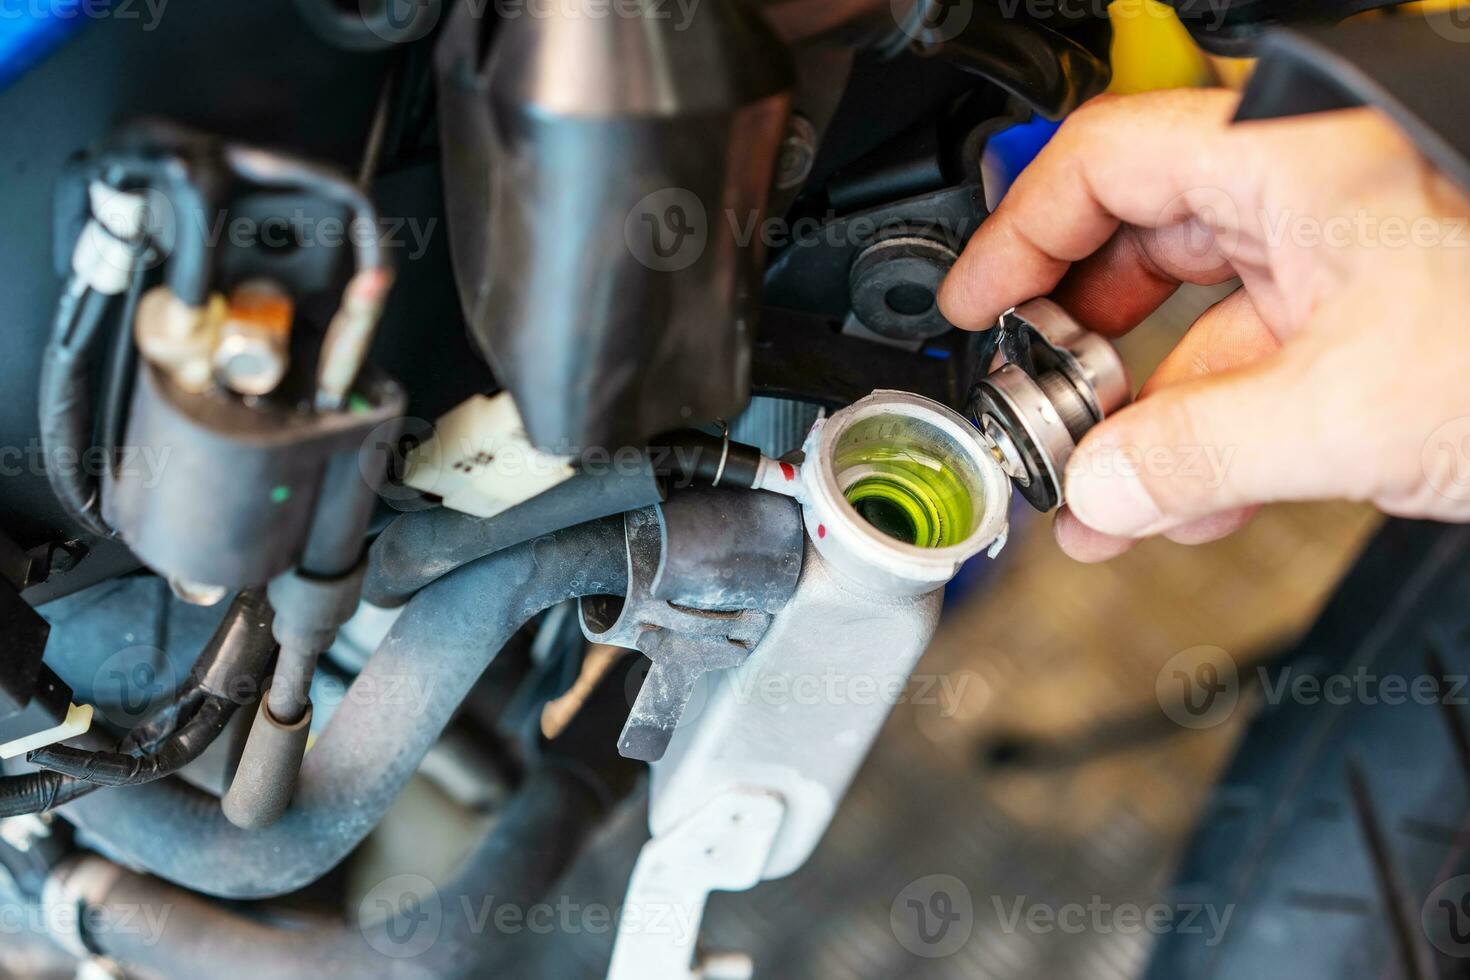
821	530
788	471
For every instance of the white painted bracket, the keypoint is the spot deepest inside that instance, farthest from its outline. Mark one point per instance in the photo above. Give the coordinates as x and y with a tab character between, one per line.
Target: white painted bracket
723	846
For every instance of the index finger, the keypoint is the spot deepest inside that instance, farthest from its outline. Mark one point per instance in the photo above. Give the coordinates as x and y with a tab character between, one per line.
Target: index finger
1146	160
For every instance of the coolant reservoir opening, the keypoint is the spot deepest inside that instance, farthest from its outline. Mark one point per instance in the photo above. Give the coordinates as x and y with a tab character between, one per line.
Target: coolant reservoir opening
900	490
909	479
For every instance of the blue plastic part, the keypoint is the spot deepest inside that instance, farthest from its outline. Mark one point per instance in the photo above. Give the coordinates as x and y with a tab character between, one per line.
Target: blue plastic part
1009	151
32	29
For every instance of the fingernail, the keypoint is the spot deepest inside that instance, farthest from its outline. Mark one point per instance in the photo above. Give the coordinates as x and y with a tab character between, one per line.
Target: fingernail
1107	495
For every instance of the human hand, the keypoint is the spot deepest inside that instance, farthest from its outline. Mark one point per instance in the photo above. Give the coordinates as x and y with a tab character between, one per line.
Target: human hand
1339	369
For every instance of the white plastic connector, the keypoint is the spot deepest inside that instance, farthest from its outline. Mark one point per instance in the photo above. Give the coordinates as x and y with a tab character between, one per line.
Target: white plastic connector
480	460
78	721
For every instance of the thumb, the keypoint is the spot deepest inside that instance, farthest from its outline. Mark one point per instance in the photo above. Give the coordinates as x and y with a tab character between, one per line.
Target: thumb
1272	430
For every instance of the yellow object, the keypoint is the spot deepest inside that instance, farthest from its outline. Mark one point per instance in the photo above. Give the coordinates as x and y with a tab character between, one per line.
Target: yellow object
1152	50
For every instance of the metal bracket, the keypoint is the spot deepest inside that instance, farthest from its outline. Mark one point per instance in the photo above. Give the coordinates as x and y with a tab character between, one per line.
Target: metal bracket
706	571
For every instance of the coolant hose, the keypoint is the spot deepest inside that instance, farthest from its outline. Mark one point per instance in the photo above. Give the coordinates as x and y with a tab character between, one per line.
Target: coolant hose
390	717
420	547
534	840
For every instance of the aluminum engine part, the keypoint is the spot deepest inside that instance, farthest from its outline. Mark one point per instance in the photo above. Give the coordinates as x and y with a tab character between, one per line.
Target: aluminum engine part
751	781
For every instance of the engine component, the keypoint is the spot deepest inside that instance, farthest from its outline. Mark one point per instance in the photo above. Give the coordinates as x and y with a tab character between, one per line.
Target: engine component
1053	70
757	779
244	480
226	675
900	491
35	704
600	171
576	782
253	351
479	461
235	466
428	662
705	573
894	283
422	547
310	605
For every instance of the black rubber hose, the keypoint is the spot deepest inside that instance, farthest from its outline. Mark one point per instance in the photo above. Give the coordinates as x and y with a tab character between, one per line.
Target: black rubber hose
37	792
419	548
65	405
117	381
390	717
267	169
689	456
120	769
532	843
229	669
535	838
